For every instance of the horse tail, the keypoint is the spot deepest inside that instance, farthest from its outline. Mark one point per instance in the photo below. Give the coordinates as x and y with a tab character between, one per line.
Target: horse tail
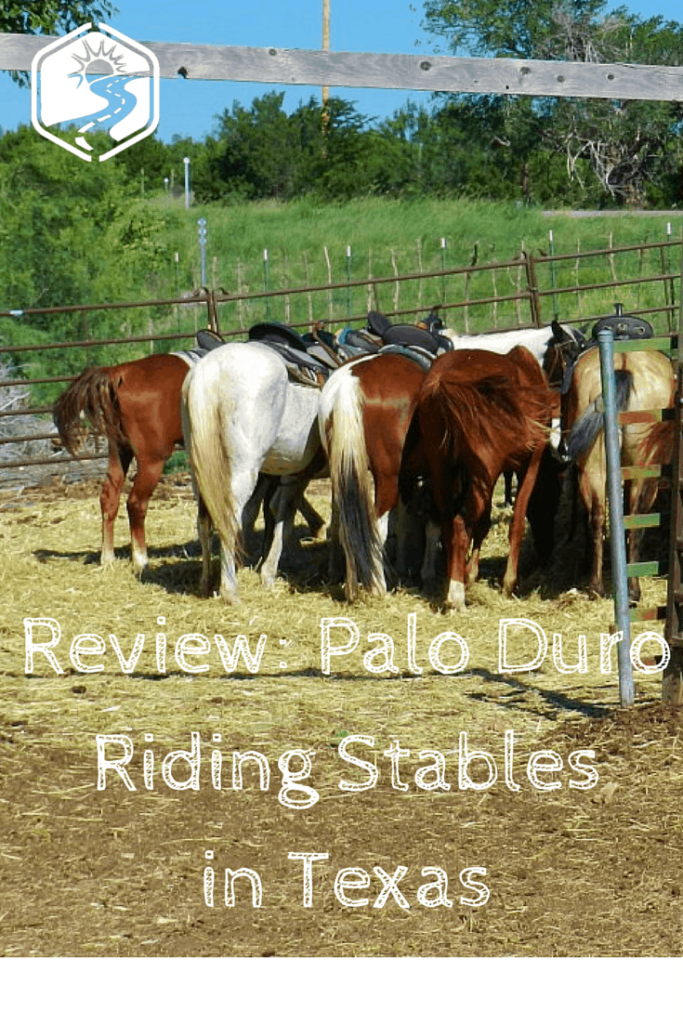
592	420
352	487
204	426
90	403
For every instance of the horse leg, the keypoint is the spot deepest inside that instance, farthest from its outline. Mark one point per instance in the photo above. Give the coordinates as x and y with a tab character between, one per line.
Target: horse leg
507	478
379	585
456	542
204	534
481	529
146	479
120	459
262	495
597	520
428	572
283	510
518	520
316	523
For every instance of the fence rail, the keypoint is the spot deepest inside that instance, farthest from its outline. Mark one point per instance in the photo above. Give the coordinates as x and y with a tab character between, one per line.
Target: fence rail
469	293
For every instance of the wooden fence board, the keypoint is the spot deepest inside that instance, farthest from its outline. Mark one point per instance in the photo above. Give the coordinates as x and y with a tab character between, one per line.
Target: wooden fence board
388	71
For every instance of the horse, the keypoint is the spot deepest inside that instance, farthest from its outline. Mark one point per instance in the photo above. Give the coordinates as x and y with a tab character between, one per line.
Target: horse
242	416
136	406
644	381
478	414
365	412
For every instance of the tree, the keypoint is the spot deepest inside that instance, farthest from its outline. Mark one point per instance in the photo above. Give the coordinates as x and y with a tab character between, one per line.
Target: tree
626	145
49	17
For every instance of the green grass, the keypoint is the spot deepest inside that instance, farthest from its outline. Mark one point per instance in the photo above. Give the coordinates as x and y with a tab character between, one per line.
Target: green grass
307	245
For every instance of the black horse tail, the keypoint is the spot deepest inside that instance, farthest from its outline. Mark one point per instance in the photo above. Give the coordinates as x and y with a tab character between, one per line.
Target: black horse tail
592	421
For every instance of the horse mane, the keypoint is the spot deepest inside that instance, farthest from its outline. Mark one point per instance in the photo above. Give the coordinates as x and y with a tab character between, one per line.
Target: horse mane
90	403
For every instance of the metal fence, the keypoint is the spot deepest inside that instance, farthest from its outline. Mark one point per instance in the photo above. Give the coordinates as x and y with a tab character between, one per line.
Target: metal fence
527	291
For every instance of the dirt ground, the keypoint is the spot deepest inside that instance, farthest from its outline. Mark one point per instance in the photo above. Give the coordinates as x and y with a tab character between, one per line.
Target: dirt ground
89	872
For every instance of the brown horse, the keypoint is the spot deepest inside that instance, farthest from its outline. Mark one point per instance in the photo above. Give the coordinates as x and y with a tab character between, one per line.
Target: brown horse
645	381
136	407
478	414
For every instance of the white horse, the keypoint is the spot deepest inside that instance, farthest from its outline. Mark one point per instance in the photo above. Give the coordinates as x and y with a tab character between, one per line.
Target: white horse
241	415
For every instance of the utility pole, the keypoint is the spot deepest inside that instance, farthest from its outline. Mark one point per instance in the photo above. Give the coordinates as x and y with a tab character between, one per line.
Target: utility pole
326	88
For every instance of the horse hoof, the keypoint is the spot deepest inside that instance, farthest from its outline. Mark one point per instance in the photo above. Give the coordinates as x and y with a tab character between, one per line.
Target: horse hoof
455	598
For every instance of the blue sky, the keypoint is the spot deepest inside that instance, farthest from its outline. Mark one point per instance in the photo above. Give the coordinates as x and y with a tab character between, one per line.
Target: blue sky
187	108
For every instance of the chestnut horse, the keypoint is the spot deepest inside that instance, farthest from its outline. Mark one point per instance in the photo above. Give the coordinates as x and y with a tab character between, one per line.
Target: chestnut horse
479	413
136	406
645	381
365	411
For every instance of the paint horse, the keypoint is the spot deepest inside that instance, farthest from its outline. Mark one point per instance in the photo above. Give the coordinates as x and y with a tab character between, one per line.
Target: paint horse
644	381
242	416
365	412
479	413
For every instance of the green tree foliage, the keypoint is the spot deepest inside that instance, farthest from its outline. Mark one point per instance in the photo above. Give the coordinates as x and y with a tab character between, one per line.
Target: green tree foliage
71	234
49	17
629	149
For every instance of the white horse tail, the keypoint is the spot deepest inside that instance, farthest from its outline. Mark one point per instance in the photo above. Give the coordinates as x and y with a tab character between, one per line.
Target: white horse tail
343	433
202	413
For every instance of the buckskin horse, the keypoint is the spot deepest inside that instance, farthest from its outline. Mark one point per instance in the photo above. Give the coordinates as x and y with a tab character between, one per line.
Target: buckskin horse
479	413
242	416
365	412
644	381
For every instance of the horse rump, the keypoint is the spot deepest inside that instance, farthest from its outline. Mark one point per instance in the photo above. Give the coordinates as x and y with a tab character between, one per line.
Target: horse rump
592	420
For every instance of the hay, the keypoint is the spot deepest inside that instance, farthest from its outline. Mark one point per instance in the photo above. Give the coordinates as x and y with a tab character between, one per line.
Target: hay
557	863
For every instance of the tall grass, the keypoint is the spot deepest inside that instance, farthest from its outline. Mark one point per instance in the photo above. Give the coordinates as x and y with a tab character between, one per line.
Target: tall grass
309	243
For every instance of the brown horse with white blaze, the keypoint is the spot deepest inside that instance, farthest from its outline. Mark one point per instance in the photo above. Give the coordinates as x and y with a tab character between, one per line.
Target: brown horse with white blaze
478	414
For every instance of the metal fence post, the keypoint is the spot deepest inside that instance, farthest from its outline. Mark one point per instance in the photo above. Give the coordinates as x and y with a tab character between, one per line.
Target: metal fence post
616	518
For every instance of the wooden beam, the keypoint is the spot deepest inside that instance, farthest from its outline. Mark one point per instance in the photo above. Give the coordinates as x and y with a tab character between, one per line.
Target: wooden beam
389	71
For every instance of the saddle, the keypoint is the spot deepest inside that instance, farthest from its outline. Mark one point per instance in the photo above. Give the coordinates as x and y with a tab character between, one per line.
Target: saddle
309	358
623	328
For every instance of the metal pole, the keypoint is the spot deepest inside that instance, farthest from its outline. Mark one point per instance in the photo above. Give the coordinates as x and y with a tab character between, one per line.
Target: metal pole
616	518
186	161
553	275
266	286
348	283
202	248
